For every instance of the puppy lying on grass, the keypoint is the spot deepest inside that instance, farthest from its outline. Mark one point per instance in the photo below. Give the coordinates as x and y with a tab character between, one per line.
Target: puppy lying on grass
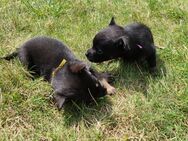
70	78
132	43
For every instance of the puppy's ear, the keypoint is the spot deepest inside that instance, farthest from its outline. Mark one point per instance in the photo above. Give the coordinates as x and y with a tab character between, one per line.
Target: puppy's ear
112	22
76	66
59	100
122	42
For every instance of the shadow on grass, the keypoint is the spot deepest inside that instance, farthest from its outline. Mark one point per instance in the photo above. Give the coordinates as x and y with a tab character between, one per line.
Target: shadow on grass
89	114
135	76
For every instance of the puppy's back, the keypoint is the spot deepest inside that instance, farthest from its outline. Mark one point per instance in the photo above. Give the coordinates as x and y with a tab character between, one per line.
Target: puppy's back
46	48
43	54
140	32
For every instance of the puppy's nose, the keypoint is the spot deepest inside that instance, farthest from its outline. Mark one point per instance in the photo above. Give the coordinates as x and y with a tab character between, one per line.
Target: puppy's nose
87	54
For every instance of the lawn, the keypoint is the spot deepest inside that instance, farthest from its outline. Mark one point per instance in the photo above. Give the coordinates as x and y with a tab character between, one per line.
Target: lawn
143	108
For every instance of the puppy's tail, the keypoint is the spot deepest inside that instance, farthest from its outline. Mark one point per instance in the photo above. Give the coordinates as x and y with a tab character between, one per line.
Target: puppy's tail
10	56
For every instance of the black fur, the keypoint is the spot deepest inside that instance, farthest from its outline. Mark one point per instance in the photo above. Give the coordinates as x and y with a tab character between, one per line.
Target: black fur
132	43
74	81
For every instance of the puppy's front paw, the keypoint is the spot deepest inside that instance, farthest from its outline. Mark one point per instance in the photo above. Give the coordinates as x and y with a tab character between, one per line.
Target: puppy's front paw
153	71
111	90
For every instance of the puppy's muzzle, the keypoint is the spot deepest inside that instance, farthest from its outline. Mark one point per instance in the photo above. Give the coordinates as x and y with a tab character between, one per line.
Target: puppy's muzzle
89	53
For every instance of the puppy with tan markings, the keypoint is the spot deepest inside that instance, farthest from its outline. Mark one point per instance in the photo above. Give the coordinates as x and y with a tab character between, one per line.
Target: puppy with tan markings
70	78
132	43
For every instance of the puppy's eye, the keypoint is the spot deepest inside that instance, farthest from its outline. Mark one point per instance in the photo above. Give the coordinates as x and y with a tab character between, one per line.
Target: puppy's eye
99	51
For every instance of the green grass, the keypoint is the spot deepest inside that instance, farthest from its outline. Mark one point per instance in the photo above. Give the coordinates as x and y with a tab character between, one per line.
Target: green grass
144	107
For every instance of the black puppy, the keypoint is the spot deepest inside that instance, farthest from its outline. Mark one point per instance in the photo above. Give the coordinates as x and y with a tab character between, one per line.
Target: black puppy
132	43
71	78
